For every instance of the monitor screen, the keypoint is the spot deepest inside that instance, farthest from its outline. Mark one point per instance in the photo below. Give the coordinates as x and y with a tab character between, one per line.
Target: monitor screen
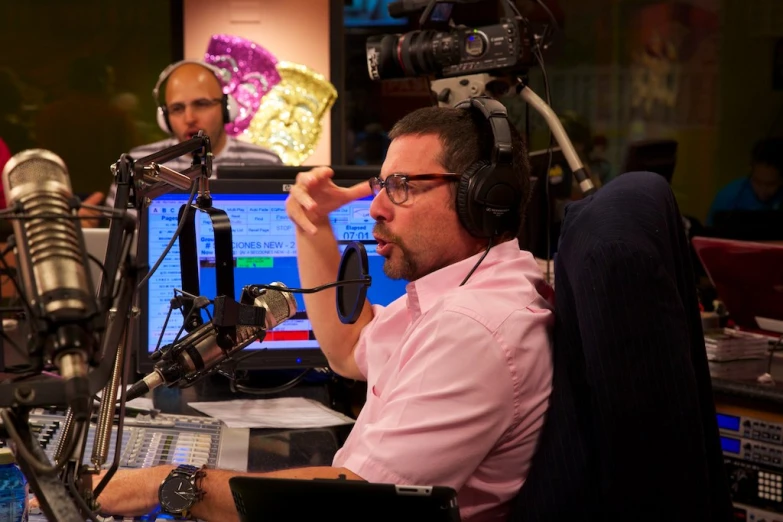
264	252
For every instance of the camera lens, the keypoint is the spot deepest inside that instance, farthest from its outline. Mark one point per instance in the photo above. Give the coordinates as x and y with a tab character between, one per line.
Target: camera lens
382	61
415	53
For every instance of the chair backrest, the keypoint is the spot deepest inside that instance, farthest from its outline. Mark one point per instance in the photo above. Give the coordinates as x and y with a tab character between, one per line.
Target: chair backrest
631	432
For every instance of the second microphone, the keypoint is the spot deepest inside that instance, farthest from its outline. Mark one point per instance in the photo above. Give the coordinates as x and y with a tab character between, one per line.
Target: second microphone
201	351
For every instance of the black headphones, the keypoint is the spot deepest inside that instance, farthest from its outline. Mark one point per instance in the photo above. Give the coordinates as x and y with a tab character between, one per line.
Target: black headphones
229	106
489	192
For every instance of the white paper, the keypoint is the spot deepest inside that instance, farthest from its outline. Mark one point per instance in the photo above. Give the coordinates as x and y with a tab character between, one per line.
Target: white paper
142	403
287	412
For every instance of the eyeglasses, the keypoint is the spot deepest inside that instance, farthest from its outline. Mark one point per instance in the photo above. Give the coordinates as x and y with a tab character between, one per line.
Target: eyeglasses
200	105
397	184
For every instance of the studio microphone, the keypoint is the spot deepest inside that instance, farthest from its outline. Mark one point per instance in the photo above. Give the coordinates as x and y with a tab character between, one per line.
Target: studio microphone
52	263
204	348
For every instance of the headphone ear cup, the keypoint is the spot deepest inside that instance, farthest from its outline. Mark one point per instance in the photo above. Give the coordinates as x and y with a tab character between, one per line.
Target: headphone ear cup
162	117
468	210
230	109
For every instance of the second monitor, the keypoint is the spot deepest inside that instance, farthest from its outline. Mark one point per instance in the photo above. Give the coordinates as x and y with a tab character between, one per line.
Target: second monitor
264	250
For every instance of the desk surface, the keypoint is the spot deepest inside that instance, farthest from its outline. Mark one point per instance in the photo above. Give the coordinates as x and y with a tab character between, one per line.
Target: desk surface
269	449
770	396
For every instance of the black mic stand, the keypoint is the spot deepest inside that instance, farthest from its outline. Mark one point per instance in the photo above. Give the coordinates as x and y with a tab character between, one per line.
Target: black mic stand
57	486
64	490
164	180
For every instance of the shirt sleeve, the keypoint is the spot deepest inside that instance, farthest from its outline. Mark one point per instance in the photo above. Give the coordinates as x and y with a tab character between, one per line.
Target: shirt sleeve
360	352
447	408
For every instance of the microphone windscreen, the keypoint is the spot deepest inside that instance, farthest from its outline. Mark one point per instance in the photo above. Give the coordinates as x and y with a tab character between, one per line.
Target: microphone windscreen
350	298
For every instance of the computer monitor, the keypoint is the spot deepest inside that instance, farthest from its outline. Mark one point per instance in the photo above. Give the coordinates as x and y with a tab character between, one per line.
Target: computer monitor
242	171
344	172
264	252
748	225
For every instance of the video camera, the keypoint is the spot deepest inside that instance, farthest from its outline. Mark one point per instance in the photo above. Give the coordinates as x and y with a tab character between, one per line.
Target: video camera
443	49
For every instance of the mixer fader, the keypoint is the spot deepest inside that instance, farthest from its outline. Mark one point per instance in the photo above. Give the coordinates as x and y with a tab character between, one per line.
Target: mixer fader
150	441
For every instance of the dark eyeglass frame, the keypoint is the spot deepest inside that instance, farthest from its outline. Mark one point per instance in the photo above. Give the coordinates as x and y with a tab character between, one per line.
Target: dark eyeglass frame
201	104
400	181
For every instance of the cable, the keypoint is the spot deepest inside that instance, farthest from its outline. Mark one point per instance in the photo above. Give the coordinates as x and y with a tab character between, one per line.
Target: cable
82	504
236	387
18	349
100	265
108	211
540	59
18	288
313	290
24	453
177	232
489	245
555	25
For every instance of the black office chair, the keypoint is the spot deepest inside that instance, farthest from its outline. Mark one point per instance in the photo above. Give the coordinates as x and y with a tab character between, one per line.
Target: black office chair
631	432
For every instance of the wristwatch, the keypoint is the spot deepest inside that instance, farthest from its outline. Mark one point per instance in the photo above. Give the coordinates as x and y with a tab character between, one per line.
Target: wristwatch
181	490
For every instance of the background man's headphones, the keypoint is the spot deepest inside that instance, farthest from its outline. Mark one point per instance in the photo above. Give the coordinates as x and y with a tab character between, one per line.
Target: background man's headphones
229	106
489	192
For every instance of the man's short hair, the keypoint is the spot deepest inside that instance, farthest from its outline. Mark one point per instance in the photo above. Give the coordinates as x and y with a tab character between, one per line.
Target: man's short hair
466	136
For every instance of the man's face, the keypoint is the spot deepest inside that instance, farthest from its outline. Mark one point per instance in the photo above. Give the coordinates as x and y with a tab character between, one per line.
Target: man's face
193	100
423	234
766	181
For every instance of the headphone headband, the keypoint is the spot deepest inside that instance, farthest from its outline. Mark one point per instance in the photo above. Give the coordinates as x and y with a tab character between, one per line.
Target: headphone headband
497	116
165	73
489	192
229	106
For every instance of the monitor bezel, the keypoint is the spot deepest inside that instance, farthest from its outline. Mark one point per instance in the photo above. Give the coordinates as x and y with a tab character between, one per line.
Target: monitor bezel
271	359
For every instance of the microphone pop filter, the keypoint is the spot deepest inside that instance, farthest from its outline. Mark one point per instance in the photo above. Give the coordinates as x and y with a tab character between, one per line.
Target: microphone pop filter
350	298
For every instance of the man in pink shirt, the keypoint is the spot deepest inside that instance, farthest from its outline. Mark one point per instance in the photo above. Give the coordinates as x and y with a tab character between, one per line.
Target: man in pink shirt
458	370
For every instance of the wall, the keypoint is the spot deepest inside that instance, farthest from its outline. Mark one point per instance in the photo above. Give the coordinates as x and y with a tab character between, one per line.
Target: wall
750	109
292	30
637	70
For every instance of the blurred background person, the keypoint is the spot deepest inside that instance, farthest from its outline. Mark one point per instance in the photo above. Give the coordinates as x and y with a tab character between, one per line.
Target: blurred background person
762	189
85	128
191	99
13	132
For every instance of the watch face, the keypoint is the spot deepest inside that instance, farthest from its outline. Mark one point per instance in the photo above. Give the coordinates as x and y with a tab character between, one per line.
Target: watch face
177	494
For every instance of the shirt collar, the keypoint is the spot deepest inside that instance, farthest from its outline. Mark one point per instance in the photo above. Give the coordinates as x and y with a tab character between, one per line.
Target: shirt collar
423	293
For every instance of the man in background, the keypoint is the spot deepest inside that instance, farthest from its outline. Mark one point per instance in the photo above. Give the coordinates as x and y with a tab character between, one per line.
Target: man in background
762	189
190	98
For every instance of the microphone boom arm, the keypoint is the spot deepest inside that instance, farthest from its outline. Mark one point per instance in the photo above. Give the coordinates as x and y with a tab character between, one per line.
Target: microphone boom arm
574	163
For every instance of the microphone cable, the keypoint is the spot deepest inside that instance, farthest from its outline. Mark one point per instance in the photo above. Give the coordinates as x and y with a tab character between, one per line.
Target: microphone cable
180	226
236	386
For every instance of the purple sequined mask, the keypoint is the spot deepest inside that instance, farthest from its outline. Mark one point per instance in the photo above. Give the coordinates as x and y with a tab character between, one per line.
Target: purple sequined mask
248	73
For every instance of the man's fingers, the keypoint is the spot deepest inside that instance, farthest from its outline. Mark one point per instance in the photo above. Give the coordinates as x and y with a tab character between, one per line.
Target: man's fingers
297	214
313	176
360	190
94	199
322	172
302	197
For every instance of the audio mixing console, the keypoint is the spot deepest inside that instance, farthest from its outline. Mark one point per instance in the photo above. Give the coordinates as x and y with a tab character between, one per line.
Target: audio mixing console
165	439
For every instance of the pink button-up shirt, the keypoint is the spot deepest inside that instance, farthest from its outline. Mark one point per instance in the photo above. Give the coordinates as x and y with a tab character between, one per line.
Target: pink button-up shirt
458	381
